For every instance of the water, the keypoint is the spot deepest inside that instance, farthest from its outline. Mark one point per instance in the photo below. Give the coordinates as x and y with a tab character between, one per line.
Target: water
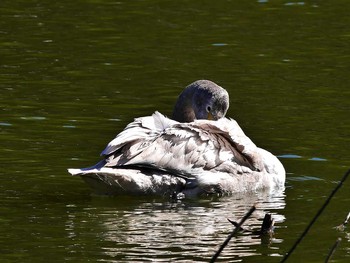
74	73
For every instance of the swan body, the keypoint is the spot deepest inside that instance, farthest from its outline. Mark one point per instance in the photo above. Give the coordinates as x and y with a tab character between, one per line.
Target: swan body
158	155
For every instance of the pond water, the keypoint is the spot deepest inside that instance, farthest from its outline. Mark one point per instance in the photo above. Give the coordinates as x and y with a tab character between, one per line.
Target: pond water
74	73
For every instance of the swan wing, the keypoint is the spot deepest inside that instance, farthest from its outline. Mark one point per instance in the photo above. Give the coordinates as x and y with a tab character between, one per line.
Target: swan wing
183	148
141	129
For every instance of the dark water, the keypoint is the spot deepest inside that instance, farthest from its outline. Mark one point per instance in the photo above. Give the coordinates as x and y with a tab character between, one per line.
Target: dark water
74	73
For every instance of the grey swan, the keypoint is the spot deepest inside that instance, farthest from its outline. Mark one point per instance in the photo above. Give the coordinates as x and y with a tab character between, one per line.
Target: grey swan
197	152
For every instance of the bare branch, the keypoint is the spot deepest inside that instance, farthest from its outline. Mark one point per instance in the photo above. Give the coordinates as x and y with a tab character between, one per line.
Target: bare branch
235	230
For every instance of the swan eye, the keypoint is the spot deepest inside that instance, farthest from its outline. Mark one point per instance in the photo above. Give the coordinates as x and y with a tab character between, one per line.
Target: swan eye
208	108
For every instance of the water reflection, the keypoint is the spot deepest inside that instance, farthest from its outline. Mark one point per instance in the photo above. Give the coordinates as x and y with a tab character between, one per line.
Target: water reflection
76	70
185	230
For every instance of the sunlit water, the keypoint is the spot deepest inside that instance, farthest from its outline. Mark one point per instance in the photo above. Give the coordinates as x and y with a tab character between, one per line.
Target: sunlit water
187	231
73	74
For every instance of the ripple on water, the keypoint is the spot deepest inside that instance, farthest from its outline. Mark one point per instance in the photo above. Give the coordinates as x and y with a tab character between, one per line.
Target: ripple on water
33	118
188	231
305	178
295	156
5	124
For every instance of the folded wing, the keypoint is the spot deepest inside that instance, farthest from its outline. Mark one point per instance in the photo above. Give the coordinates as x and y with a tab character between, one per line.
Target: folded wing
183	148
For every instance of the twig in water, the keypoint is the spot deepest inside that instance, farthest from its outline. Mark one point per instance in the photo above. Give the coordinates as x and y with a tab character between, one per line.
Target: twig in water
237	228
267	226
316	216
347	219
333	249
342	226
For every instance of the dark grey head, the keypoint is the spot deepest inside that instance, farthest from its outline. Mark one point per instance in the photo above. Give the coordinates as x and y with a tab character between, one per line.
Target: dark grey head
203	99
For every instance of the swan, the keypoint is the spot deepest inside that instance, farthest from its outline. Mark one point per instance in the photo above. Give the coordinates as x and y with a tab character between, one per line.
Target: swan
197	152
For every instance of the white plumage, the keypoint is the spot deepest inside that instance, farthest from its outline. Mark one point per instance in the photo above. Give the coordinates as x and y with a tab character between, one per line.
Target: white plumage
157	155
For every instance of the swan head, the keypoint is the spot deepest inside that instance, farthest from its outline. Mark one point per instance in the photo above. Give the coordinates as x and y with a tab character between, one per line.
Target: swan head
202	99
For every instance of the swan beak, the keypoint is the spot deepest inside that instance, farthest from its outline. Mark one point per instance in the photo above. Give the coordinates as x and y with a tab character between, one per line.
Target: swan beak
210	116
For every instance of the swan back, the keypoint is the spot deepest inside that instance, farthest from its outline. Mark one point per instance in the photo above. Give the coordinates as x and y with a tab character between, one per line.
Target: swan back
184	148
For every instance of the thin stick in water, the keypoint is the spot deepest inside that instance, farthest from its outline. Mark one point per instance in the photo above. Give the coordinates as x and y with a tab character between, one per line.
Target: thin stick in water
333	249
316	216
342	226
234	232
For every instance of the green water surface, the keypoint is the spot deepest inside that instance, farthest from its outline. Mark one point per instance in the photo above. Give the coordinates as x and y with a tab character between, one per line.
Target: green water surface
74	73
